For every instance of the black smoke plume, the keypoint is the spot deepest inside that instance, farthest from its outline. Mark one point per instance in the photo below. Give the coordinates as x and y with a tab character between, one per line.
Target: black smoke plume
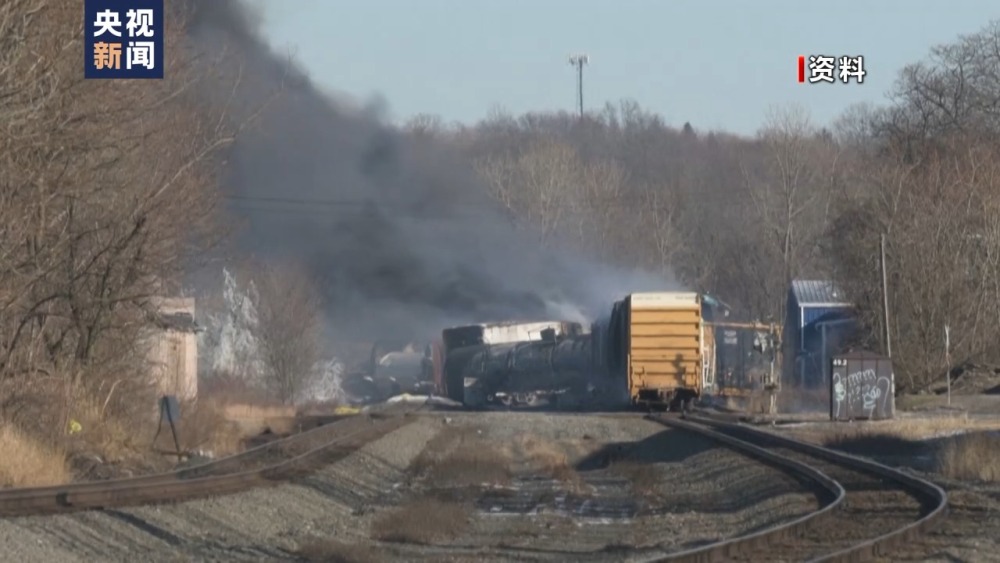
400	234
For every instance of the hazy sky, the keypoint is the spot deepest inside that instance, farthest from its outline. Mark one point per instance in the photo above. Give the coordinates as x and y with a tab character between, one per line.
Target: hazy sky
716	63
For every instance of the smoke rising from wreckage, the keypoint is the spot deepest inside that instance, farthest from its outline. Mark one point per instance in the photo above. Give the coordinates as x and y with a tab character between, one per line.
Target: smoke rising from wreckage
408	239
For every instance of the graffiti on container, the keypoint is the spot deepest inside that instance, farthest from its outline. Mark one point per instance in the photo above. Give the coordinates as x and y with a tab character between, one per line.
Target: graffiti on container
839	393
864	388
861	387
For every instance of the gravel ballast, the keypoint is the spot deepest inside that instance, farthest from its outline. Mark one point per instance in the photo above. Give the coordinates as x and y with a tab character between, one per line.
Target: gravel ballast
625	483
501	486
262	524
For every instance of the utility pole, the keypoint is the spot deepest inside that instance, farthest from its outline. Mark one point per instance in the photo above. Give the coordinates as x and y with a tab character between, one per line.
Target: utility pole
578	61
947	359
885	297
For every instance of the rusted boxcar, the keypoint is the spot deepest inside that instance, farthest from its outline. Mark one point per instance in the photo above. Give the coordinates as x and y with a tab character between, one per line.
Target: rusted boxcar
861	387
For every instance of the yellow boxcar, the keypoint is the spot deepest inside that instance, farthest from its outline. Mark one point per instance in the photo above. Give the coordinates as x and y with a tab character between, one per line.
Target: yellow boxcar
660	341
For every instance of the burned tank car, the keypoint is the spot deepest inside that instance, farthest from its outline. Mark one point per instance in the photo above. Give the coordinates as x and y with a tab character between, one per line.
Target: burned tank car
489	352
522	372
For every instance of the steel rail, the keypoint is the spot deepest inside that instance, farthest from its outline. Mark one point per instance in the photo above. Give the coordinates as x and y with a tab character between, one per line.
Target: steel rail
832	495
180	485
219	465
933	499
170	476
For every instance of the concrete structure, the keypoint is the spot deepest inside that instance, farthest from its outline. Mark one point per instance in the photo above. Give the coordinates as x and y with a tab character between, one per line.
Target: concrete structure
173	348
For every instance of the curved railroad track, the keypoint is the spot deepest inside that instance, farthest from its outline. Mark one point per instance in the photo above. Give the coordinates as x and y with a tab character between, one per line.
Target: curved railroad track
865	509
868	509
264	465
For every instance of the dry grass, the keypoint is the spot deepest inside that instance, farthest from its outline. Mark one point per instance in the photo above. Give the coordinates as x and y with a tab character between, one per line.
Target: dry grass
115	439
30	463
241	411
205	427
202	426
963	448
915	402
225	388
108	429
333	551
546	458
462	458
908	428
253	419
974	456
424	521
105	423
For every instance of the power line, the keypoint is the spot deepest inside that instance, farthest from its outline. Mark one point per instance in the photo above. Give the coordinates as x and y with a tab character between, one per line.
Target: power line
321	204
348	202
443	207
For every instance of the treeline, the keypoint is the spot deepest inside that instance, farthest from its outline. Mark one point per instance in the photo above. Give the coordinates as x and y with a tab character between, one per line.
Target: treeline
106	188
740	217
111	198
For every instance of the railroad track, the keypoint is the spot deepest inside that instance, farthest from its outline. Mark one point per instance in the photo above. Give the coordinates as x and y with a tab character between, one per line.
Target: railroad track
867	509
265	465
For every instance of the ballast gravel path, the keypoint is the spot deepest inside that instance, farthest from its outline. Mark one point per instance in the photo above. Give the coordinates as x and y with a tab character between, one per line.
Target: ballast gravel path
263	524
632	483
514	486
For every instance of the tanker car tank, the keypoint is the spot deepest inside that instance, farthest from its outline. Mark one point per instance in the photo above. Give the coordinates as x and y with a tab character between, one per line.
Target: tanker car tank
522	373
652	350
510	363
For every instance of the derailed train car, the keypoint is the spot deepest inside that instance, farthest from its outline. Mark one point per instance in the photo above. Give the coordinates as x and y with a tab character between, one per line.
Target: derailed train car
524	373
509	363
653	346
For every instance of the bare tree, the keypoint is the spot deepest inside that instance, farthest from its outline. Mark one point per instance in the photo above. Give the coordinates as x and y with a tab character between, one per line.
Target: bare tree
942	247
957	88
107	193
425	125
599	206
288	327
657	229
790	200
538	185
928	180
